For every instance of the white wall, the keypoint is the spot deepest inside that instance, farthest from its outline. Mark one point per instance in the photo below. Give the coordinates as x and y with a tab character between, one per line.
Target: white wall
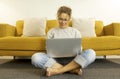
12	10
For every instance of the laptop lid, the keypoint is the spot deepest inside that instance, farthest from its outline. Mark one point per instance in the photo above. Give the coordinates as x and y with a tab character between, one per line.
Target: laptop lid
68	47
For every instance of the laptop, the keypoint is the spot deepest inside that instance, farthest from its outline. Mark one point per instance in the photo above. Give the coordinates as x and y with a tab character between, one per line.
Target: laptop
67	47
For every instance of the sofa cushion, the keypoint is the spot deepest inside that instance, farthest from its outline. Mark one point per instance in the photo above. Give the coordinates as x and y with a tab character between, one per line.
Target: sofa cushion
38	43
19	27
22	43
54	23
101	43
85	25
34	27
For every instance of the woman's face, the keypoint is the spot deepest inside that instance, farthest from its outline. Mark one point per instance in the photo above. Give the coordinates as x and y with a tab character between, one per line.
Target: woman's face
63	20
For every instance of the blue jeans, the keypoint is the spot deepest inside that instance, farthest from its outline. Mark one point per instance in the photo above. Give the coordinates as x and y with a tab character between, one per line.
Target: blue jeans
42	60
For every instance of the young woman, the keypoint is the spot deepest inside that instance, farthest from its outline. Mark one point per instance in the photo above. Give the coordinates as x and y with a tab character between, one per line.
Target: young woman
53	66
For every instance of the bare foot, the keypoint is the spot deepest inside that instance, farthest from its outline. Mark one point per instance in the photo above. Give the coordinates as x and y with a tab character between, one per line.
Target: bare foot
52	71
54	67
77	71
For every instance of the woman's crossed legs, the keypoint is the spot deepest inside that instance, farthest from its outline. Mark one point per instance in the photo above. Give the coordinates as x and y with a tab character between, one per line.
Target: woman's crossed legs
52	67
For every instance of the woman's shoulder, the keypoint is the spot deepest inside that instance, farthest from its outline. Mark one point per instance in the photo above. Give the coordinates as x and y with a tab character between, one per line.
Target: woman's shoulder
53	29
51	33
76	31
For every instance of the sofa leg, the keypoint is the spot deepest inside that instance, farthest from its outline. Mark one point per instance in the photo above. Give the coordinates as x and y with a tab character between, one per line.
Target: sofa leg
14	57
105	56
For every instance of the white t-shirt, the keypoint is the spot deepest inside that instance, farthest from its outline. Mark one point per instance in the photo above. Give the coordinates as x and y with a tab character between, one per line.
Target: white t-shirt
68	32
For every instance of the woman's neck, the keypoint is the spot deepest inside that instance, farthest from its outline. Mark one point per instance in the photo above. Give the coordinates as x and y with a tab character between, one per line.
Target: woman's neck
64	27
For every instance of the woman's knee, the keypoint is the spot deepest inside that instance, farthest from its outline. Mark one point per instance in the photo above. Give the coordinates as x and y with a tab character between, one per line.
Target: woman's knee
86	58
38	59
90	54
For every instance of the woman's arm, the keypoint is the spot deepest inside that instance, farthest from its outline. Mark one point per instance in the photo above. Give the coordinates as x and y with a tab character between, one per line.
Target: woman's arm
50	34
78	35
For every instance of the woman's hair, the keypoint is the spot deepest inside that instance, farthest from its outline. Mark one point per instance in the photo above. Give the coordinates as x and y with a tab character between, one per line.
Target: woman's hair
64	9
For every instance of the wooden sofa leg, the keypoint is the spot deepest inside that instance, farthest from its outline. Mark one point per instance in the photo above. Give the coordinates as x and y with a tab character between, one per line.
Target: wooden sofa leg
105	56
14	57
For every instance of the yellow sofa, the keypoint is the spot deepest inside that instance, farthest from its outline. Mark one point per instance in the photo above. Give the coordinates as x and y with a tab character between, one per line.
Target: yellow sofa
107	41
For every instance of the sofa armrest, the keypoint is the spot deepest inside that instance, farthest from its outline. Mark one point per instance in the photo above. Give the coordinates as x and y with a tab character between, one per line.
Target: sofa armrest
7	30
112	29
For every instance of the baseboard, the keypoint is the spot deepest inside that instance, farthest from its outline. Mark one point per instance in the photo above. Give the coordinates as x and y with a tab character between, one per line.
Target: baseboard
113	57
98	57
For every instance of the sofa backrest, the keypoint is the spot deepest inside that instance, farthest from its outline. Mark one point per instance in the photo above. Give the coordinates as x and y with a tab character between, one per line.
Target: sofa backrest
54	23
